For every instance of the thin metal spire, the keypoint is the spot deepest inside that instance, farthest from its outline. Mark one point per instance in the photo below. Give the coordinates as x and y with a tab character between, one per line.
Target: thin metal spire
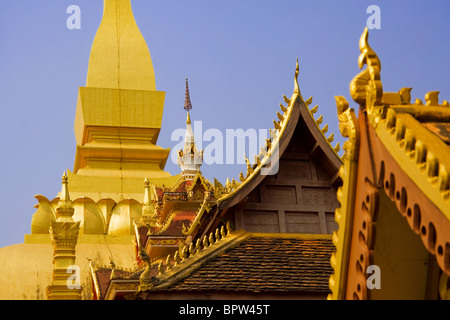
187	98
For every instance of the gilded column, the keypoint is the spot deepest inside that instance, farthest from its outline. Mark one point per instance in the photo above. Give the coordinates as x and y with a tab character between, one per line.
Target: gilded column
64	235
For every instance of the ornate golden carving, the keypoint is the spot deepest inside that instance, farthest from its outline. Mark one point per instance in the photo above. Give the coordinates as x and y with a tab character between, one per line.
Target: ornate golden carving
366	88
348	126
64	232
64	235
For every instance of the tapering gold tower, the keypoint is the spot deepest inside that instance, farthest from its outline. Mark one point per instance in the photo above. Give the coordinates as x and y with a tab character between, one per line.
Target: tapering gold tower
117	124
119	113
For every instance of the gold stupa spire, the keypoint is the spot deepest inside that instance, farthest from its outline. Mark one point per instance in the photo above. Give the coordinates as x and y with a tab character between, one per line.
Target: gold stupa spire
65	209
120	58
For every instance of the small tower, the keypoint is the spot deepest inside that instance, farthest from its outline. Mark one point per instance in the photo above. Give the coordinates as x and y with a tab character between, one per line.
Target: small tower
190	159
64	235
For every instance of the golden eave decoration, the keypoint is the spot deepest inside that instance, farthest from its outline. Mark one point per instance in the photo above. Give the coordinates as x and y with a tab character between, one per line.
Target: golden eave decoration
412	136
265	157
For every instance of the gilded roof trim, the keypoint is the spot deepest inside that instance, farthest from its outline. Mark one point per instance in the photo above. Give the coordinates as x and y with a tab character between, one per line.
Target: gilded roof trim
349	128
422	155
277	135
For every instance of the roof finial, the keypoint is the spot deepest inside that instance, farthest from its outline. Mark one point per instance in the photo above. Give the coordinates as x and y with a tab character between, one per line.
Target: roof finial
187	98
296	86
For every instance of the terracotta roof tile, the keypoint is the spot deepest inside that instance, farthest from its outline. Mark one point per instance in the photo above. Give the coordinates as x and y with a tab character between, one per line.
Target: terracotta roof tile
266	264
103	278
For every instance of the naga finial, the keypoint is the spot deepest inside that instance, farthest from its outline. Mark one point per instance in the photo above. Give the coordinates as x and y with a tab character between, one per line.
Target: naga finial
367	83
296	86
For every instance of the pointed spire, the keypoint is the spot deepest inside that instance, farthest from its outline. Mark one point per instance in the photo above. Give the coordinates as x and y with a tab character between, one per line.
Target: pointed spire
188	120
120	57
190	158
64	196
187	99
296	86
64	209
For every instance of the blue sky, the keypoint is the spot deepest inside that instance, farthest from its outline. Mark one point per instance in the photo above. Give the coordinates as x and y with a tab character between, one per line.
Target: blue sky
239	57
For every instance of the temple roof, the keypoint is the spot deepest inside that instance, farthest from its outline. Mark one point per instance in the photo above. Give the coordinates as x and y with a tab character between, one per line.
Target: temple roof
265	264
267	161
234	261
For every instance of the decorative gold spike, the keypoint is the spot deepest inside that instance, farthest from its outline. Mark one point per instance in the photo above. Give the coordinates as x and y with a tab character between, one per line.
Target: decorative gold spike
337	148
160	268
263	152
314	110
257	160
198	246
296	86
286	100
234	184
64	197
283	108
183	253
309	101
276	124
191	249
325	129
218	188
249	167
176	258
228	226
418	102
228	186
432	98
273	133
241	177
168	264
268	143
205	242
217	235
223	232
330	138
211	238
280	116
319	120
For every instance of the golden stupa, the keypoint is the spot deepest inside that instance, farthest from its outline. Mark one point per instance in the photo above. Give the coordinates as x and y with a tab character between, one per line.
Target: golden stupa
117	123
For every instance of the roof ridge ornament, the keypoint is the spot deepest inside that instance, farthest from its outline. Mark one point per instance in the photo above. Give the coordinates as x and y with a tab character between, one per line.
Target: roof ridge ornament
366	88
296	86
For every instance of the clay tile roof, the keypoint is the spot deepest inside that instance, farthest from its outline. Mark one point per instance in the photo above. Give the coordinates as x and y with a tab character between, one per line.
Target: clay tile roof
266	264
103	279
